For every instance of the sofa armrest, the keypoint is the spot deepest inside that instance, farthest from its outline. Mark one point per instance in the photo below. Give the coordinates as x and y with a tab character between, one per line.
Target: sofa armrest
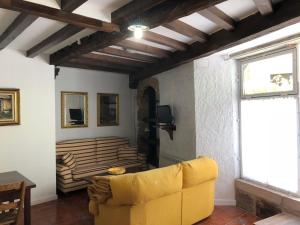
142	157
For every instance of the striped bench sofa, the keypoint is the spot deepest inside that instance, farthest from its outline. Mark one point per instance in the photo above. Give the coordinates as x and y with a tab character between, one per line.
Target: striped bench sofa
93	156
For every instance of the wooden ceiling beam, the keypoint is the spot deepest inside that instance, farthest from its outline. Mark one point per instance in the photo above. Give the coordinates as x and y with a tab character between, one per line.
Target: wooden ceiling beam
59	15
16	28
128	55
265	7
70	6
126	44
187	30
165	12
218	17
163	40
93	67
59	36
133	9
112	59
286	13
53	40
95	62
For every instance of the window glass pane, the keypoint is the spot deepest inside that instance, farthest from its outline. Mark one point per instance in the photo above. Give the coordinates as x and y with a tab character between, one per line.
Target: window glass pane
269	141
268	75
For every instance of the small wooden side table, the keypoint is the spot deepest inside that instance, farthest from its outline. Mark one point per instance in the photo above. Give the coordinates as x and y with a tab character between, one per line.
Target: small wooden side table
280	219
14	176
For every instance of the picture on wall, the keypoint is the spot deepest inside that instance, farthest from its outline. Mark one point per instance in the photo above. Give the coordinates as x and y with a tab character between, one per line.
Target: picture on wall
108	109
9	107
74	109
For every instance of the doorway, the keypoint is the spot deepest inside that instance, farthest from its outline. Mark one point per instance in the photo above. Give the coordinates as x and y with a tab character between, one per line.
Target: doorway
148	134
153	156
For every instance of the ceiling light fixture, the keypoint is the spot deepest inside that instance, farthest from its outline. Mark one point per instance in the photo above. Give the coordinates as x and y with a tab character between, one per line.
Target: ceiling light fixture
138	30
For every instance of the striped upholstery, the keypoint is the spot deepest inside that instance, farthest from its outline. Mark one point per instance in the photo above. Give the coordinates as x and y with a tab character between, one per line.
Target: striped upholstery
127	153
69	160
107	148
93	157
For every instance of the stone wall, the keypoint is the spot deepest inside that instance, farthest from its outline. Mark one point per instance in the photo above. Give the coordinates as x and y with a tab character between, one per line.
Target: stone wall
142	113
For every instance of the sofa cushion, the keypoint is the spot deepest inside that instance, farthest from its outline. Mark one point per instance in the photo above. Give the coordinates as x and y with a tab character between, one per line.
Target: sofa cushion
107	148
84	150
138	188
126	163
86	171
127	153
69	160
198	171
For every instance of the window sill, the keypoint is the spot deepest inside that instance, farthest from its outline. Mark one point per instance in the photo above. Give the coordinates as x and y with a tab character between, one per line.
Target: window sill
285	202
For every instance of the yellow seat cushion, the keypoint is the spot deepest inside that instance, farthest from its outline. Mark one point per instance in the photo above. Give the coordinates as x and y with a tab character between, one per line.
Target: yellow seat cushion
198	171
138	188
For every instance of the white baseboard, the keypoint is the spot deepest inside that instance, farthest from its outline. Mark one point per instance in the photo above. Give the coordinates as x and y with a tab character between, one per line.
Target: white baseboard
225	202
44	199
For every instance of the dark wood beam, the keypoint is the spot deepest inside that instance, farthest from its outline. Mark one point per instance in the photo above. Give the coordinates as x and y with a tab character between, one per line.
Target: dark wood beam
59	15
264	6
60	35
116	60
126	44
187	30
128	55
163	40
286	13
163	13
16	28
53	40
133	9
70	6
94	62
93	67
218	17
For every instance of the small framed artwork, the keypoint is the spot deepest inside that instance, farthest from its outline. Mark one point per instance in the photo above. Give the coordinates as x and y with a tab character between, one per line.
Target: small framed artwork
108	109
74	109
9	107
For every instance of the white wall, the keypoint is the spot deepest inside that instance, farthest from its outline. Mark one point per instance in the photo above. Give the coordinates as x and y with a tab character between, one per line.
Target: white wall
176	88
94	82
216	120
29	148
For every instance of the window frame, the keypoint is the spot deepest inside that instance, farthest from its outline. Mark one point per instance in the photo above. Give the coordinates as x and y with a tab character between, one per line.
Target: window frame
267	55
295	50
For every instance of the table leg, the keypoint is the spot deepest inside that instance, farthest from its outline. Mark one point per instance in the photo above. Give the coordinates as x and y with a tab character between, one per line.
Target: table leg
27	207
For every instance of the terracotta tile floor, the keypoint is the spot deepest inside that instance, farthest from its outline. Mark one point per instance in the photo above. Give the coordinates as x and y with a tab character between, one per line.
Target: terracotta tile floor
72	209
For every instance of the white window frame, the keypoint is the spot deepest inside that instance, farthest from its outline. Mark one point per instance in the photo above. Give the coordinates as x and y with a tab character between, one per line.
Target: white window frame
267	55
295	93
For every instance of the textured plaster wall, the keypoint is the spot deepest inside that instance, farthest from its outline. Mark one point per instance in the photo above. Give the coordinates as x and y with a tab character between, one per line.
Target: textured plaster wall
177	90
216	106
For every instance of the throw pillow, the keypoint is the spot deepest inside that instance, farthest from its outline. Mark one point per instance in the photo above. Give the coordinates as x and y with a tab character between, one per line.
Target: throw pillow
69	160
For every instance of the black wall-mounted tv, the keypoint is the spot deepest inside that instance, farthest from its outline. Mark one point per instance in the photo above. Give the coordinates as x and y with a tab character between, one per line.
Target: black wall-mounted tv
164	114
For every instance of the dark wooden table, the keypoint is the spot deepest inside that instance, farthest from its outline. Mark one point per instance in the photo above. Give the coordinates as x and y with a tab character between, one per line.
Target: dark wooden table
14	176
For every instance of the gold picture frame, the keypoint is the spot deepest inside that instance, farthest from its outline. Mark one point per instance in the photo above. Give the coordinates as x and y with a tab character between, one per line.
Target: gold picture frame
74	109
9	107
108	107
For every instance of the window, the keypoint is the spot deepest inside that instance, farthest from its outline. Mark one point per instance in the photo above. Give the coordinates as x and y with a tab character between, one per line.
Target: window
269	120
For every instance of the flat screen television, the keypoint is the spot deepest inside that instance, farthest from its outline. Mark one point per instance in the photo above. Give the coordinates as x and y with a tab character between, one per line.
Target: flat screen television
164	114
76	114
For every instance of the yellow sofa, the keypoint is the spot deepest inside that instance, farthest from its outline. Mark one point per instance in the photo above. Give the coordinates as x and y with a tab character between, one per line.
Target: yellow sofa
181	194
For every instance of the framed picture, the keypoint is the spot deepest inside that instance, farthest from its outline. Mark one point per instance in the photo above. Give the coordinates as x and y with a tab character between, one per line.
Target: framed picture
9	107
108	109
74	109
